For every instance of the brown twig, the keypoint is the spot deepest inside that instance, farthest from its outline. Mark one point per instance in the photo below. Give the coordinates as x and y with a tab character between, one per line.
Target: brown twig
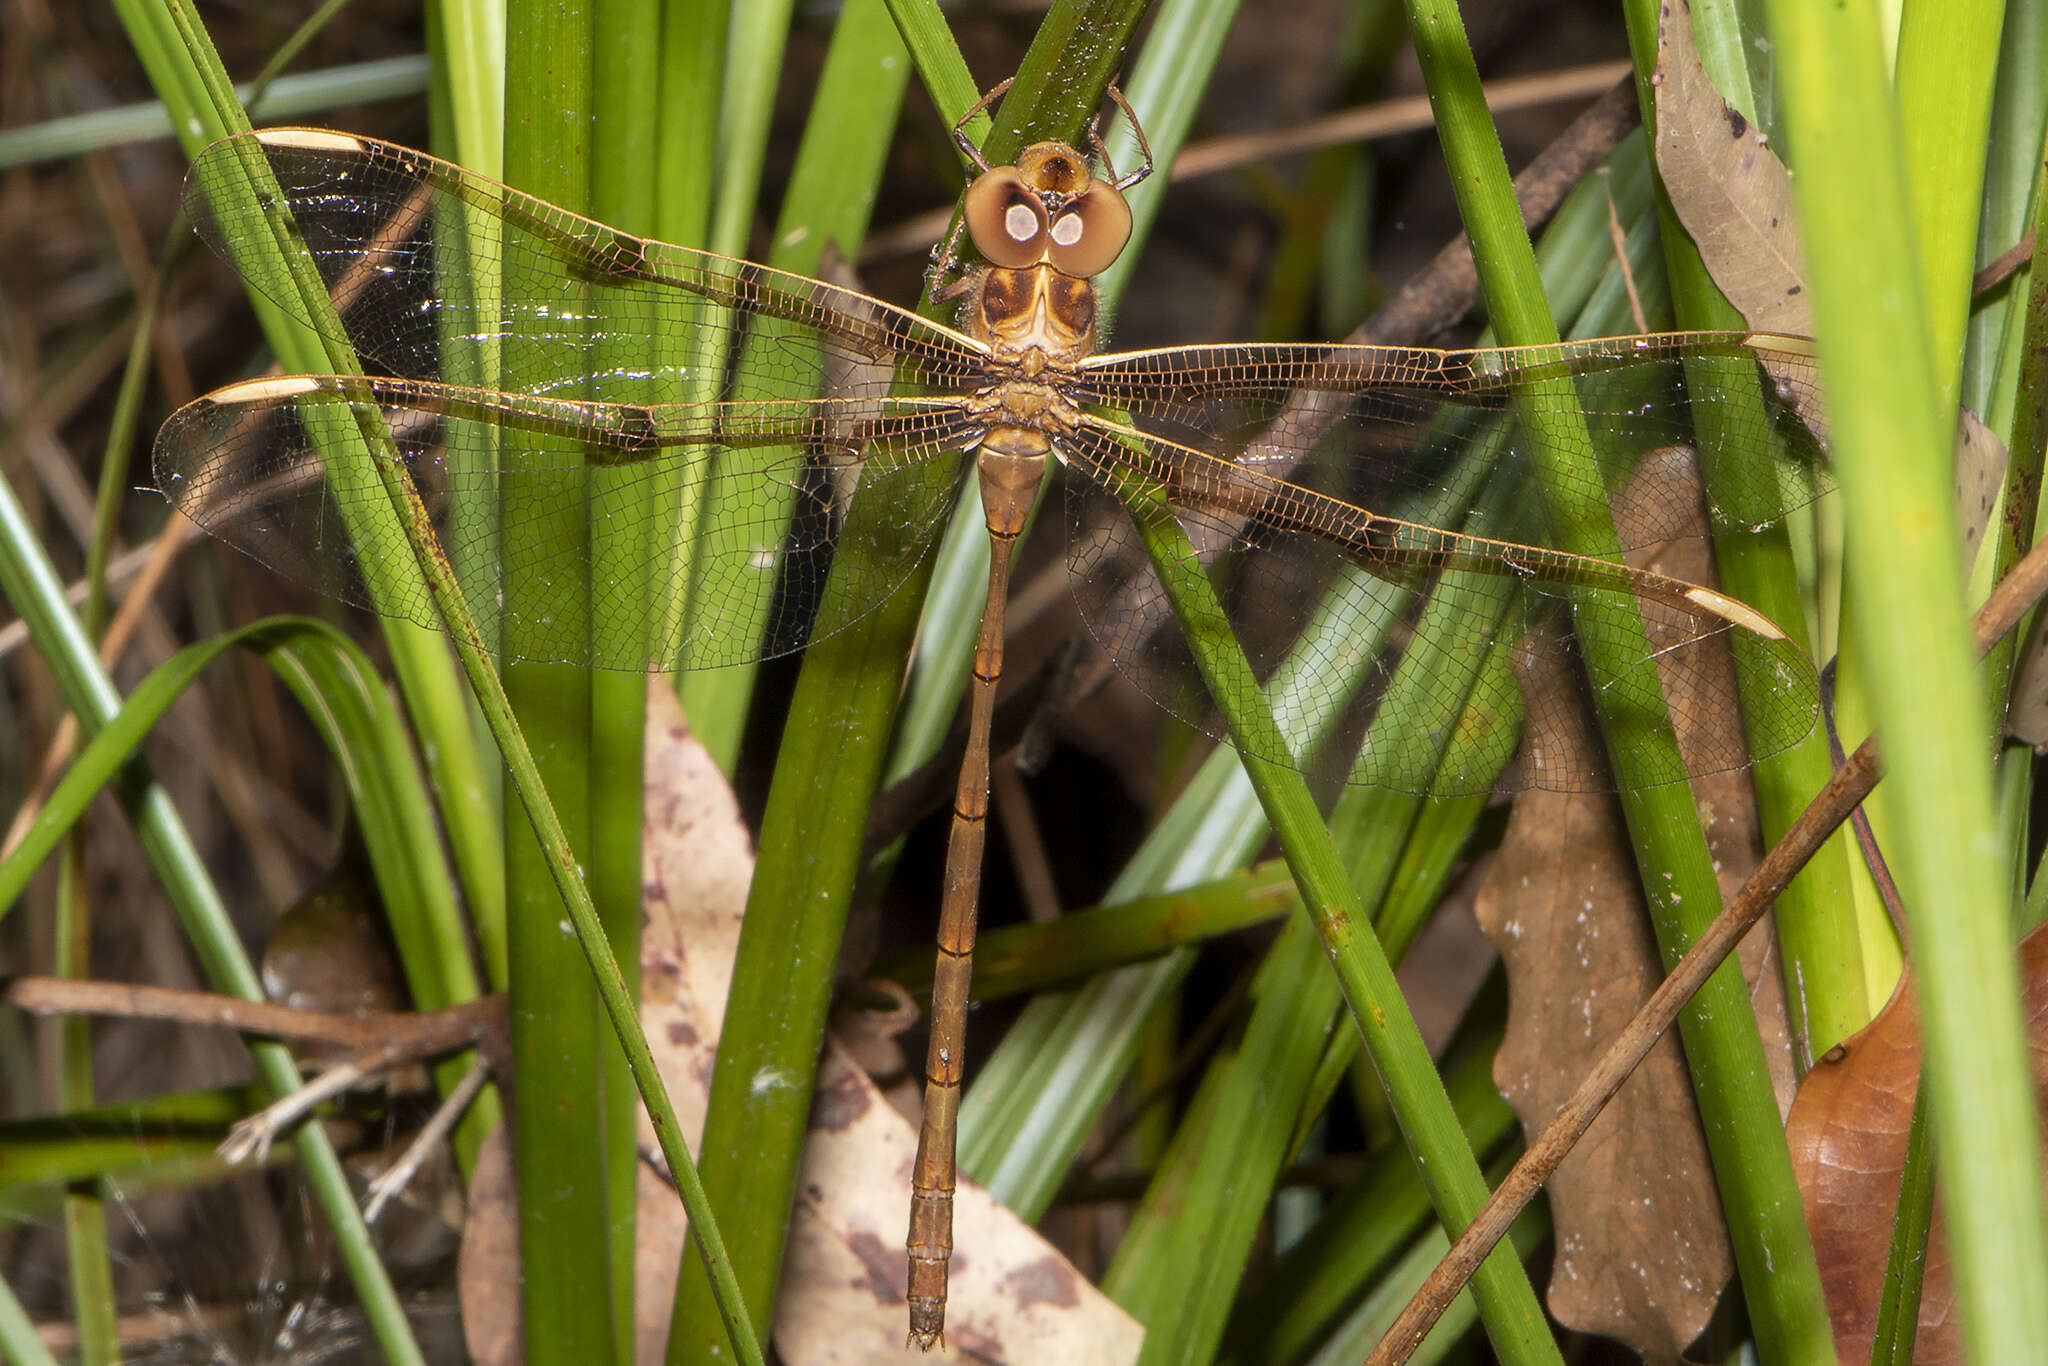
1851	783
1619	237
2004	268
387	1038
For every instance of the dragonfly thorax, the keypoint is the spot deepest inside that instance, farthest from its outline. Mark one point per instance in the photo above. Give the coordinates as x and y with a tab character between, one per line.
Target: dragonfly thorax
1033	318
1024	403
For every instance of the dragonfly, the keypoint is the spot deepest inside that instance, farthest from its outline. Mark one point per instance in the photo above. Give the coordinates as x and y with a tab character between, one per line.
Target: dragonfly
1374	521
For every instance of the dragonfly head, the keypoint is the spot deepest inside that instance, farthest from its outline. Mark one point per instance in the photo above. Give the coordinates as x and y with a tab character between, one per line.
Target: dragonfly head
1048	209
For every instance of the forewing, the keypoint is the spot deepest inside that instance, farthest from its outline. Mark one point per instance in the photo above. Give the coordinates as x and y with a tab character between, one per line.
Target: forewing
436	273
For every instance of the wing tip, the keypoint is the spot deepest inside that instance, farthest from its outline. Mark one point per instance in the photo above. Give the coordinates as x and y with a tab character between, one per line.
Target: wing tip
1736	611
265	389
1783	342
311	139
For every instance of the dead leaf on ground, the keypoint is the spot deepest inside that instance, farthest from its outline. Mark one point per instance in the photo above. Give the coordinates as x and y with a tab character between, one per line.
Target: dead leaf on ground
1013	1297
1848	1138
1642	1253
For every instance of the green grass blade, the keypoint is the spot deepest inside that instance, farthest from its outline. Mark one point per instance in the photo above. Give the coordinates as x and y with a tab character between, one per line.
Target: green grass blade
716	700
1898	1306
1944	122
775	1013
1234	1136
407	518
1773	1250
296	95
466	115
626	75
1022	958
558	1044
1363	1227
1508	1304
1825	972
941	68
31	585
1886	404
1998	366
19	1341
2012	166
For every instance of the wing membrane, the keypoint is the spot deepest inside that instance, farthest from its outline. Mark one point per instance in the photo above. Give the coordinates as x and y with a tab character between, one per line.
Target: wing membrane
246	463
1369	423
1378	630
434	271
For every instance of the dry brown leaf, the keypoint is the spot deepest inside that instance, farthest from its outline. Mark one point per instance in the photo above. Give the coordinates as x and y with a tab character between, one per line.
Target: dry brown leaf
1848	1139
487	1268
1980	473
1642	1255
1014	1298
1727	187
1981	460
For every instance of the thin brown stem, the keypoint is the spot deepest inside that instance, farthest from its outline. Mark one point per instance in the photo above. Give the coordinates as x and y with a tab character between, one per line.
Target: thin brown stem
403	1036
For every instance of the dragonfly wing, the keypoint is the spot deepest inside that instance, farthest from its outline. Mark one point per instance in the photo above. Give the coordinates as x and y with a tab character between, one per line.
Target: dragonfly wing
279	468
1383	647
1393	425
437	273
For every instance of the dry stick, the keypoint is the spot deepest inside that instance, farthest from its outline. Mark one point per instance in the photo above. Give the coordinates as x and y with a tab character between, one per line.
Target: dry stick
1619	237
1851	783
395	1178
400	1036
2004	268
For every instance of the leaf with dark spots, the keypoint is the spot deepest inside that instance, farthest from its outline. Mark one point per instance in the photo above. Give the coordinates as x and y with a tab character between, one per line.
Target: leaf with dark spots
1049	1280
887	1277
844	1277
839	1102
1732	193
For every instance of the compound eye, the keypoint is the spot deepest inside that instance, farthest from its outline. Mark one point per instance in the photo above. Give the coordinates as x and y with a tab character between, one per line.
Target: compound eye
1006	220
1090	234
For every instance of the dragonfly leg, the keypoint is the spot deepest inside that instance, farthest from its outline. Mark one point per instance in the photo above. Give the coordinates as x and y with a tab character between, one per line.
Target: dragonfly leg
1137	131
945	257
960	138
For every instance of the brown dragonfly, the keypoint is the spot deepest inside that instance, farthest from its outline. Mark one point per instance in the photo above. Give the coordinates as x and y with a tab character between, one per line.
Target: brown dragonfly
1374	520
